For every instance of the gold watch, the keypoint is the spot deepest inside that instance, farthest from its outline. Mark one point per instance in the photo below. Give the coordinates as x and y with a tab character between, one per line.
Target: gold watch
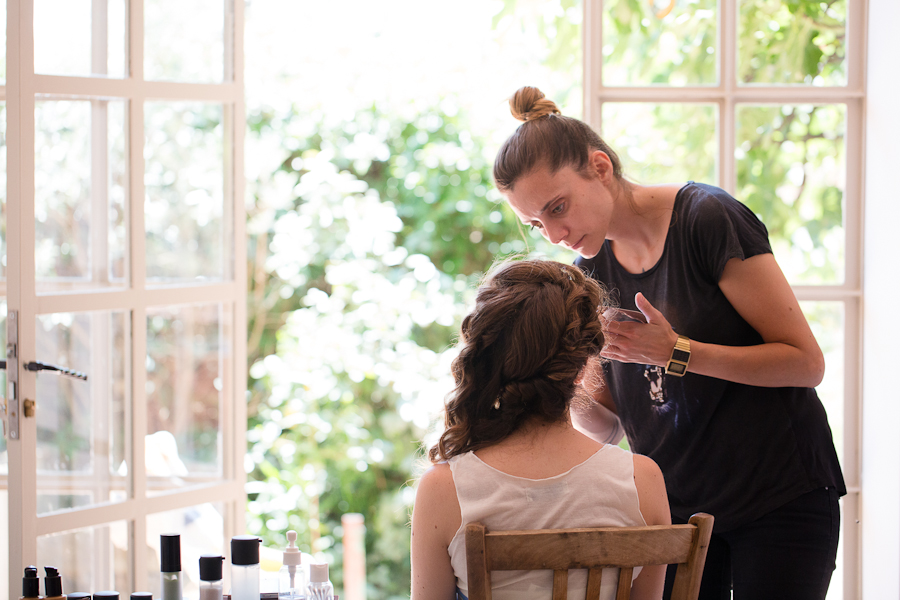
681	356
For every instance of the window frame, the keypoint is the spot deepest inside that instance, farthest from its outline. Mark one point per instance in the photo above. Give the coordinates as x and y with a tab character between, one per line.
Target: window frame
727	96
22	88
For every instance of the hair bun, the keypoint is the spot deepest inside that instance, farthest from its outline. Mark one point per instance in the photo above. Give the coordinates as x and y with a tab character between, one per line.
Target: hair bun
529	103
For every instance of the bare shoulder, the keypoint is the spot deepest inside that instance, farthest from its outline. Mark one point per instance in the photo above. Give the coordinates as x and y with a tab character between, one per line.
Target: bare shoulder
651	488
436	505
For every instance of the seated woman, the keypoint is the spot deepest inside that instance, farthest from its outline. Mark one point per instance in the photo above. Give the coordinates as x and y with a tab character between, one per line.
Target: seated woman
510	457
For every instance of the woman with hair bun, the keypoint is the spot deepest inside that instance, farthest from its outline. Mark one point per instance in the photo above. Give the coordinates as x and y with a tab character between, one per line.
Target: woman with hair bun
509	456
711	366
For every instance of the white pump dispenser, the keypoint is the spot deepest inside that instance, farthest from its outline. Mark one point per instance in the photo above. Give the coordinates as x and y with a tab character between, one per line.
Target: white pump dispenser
291	577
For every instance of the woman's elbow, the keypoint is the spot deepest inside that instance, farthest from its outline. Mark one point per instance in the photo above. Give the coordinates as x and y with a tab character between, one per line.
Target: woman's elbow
815	368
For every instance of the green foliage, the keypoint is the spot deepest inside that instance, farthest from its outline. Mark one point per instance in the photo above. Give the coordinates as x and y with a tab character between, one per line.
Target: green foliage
368	262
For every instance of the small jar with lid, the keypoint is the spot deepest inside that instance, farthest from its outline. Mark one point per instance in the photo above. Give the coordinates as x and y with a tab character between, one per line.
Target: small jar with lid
211	577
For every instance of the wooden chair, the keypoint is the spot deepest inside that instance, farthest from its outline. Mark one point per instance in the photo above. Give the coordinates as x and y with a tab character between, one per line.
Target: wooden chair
562	549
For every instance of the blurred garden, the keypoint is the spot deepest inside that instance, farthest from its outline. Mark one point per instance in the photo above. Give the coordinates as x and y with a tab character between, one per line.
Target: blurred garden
371	212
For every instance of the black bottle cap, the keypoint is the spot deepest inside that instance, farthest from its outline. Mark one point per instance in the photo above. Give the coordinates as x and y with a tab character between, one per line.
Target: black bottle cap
79	596
245	550
211	567
106	595
141	596
170	552
31	585
52	582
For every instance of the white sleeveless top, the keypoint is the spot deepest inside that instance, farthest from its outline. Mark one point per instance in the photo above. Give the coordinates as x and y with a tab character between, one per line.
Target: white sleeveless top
599	492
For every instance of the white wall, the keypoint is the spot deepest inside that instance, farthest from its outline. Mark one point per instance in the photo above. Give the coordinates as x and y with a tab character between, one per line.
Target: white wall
880	476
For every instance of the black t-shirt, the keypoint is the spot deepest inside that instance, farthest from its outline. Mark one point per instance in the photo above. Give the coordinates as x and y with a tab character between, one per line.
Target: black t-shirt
732	450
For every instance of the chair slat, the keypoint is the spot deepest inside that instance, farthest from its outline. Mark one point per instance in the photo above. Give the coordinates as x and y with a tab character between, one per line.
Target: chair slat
623	591
560	585
595	577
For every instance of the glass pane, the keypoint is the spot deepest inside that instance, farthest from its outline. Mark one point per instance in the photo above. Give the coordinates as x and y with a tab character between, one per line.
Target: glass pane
660	42
81	435
3	45
827	322
184	383
785	42
660	143
202	531
190	48
80	37
89	559
184	204
80	187
2	188
791	171
4	455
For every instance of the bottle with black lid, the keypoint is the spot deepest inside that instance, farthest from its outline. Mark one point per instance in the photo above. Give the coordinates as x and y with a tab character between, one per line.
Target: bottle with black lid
31	583
52	584
170	566
211	576
106	595
245	567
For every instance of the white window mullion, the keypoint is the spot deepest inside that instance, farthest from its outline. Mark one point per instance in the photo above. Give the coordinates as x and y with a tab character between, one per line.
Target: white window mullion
136	279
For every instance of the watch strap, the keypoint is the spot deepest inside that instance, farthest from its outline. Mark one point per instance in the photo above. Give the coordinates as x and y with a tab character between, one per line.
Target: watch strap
681	356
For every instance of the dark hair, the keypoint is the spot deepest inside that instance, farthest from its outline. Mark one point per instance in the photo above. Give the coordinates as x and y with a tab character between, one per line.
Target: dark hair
536	325
546	138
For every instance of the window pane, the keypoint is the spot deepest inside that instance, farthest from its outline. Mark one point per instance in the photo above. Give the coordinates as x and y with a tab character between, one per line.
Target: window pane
184	382
4	455
80	37
783	42
791	170
827	322
89	559
190	48
184	204
80	194
660	143
3	209
659	42
81	435
202	531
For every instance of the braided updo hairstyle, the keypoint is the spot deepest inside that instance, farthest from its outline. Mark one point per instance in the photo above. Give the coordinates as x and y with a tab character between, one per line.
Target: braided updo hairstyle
546	138
535	327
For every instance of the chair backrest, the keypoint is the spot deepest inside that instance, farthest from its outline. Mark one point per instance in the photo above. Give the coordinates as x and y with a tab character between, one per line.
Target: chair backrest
562	549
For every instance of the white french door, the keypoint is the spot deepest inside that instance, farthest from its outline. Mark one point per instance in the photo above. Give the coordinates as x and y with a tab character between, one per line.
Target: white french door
123	287
766	99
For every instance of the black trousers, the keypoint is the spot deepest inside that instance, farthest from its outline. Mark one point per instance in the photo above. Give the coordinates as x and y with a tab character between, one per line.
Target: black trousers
788	553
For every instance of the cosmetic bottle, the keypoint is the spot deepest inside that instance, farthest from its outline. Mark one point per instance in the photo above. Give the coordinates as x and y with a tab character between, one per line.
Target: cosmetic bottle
291	578
245	567
320	587
52	584
141	596
31	583
170	566
106	595
211	577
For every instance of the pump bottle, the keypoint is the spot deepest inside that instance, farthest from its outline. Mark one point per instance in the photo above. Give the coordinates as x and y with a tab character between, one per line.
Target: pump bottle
52	584
291	578
31	583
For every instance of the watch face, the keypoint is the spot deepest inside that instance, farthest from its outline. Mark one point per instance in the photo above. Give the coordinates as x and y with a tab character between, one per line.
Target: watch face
680	355
676	368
